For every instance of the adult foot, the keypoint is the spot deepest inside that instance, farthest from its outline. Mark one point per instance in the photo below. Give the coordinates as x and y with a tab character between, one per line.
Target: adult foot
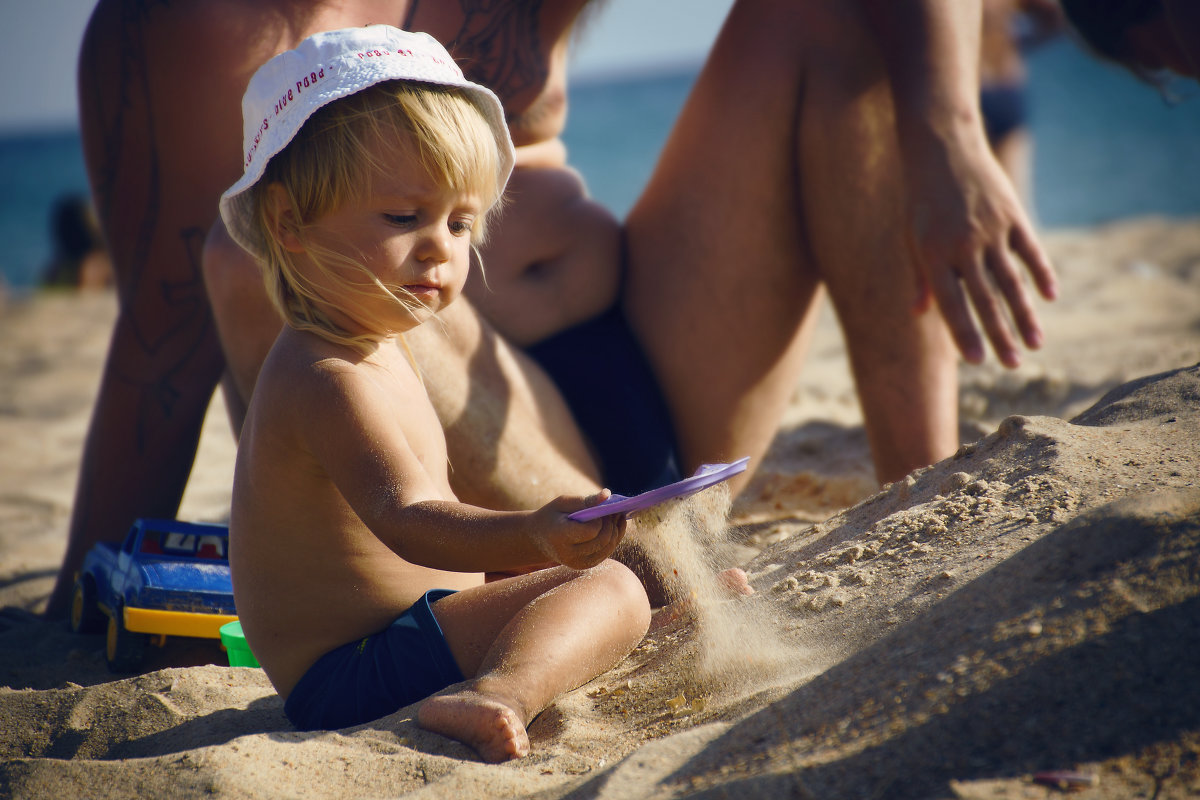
485	723
734	579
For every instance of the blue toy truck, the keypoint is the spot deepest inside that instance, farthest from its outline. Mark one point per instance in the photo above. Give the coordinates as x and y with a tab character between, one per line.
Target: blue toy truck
168	578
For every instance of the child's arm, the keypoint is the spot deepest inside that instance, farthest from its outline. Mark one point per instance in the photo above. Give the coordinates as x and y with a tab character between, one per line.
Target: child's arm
363	444
454	536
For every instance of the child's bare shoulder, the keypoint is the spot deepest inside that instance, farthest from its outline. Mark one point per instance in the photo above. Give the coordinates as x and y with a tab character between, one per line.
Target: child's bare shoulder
321	380
299	382
305	357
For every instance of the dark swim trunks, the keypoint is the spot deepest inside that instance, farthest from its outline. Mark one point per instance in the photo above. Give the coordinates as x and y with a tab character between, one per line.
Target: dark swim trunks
1005	109
603	375
364	680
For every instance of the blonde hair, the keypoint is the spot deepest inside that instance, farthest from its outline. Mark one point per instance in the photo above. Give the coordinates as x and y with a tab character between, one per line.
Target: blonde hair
330	159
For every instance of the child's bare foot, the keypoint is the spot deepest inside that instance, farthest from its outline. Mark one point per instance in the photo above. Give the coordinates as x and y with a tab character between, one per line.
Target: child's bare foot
487	724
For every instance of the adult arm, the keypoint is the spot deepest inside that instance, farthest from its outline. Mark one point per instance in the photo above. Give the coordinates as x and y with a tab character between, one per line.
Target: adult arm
969	232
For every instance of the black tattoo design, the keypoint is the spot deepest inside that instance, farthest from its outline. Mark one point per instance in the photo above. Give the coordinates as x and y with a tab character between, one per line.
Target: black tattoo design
171	327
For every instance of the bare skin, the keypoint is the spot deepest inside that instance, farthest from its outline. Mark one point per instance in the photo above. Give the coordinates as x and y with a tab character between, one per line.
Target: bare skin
810	111
900	209
309	515
300	543
483	716
540	647
156	176
343	514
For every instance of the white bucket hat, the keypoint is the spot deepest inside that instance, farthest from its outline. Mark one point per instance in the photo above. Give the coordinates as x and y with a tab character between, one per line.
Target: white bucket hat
289	88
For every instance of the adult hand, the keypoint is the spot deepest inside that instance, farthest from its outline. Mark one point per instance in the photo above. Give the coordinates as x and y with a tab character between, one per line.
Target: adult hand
970	238
968	228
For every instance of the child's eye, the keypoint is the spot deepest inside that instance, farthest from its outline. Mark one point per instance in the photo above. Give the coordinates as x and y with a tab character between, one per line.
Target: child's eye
401	220
460	227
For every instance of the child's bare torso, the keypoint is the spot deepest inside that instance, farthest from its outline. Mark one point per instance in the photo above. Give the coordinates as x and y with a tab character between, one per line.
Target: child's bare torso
308	574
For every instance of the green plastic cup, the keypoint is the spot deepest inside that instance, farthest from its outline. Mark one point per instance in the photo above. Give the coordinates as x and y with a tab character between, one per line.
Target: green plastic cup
235	645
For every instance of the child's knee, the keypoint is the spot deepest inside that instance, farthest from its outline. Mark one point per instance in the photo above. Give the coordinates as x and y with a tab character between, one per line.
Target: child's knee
626	590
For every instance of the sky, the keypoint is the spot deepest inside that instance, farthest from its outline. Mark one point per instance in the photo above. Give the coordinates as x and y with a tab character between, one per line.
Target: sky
38	91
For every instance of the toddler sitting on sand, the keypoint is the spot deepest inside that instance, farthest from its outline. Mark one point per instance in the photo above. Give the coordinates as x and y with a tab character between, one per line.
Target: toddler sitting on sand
371	166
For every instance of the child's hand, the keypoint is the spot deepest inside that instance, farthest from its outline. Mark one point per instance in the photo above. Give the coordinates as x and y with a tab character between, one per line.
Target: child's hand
578	545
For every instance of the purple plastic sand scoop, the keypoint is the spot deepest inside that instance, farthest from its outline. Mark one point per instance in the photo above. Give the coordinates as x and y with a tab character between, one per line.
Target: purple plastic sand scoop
707	475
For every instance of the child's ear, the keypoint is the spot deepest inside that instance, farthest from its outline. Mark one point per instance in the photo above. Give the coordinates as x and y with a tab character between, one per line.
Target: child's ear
282	218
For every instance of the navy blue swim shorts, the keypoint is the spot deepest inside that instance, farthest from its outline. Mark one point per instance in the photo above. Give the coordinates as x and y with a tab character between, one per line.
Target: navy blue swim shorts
364	680
614	396
1005	109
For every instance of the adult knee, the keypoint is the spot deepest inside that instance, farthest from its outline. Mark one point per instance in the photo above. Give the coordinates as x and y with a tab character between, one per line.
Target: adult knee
222	265
246	321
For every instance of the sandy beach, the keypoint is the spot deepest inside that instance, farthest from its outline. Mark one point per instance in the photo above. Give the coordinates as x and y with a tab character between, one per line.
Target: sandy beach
1020	620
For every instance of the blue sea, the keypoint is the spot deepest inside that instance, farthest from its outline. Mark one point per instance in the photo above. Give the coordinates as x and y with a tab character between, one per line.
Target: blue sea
1106	147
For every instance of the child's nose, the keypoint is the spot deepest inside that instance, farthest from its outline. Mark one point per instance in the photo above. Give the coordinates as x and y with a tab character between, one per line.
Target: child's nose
435	244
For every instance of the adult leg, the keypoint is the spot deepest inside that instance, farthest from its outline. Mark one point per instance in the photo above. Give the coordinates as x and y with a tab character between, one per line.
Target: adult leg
246	322
905	364
781	174
512	441
525	641
156	170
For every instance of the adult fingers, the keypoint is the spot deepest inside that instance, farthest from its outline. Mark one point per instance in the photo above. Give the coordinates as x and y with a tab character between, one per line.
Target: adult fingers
1012	287
923	294
1026	246
990	313
952	302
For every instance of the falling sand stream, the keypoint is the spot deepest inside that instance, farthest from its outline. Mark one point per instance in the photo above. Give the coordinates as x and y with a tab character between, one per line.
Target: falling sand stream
687	541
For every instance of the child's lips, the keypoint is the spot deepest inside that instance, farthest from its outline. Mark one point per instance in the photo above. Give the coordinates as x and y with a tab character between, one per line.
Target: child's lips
423	290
